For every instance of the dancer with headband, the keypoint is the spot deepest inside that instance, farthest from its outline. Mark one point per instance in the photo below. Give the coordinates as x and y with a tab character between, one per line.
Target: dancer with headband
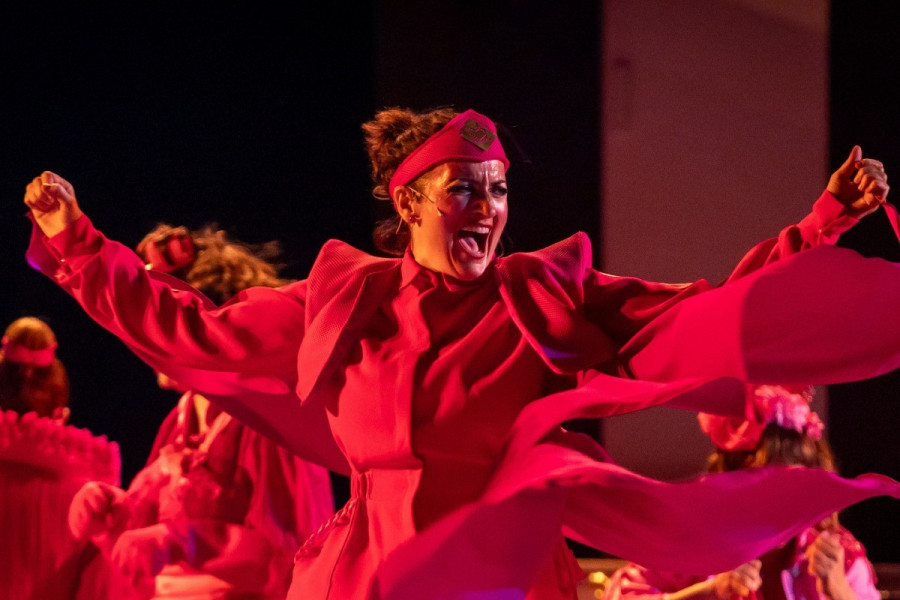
438	379
824	562
43	463
219	510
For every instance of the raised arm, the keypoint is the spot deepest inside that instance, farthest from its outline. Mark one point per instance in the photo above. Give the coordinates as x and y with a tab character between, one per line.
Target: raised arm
243	355
797	311
169	325
838	562
856	189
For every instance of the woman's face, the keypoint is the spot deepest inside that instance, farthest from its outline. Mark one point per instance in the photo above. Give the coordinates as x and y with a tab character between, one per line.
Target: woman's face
460	213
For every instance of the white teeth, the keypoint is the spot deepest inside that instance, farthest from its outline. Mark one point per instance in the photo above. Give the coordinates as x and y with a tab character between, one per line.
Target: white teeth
477	229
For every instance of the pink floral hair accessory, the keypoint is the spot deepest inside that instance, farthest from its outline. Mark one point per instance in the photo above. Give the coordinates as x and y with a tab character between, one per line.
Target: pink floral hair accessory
18	353
787	408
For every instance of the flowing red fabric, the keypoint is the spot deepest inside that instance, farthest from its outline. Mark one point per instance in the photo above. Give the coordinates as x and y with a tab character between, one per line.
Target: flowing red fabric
450	457
720	521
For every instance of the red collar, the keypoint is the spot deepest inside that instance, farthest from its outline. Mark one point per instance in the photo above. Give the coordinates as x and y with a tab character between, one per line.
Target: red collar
410	270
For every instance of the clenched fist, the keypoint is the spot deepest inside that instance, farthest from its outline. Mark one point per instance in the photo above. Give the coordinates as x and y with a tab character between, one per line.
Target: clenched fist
52	202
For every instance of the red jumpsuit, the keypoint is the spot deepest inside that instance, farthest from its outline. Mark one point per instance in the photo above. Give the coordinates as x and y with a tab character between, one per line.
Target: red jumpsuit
433	395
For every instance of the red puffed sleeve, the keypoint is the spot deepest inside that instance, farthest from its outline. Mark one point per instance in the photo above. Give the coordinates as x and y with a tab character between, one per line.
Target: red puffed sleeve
626	304
170	325
796	311
242	355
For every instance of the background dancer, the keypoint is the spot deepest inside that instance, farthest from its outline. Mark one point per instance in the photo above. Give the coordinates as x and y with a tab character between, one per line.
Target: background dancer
824	561
43	463
219	510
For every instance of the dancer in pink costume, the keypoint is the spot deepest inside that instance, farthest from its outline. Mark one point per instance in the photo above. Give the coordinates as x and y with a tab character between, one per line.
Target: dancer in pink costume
438	379
824	561
219	510
43	463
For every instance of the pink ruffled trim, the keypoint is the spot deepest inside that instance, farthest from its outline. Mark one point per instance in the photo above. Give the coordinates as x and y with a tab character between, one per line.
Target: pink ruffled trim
68	451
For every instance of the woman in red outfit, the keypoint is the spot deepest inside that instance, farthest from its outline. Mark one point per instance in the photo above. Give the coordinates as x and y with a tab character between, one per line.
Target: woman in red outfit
219	510
438	379
824	562
43	463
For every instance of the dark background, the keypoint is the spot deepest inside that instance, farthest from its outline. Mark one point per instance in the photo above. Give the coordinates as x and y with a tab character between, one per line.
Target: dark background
864	417
249	116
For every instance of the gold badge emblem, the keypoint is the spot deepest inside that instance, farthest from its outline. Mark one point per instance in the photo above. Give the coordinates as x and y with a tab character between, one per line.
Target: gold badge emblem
476	134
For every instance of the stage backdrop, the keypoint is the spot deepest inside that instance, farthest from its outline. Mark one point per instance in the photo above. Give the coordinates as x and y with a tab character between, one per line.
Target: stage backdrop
714	137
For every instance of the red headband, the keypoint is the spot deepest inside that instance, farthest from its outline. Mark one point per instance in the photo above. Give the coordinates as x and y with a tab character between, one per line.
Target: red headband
18	353
169	254
469	136
772	404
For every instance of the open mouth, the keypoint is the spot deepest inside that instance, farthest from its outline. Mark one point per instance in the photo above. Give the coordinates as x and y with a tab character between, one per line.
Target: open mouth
474	239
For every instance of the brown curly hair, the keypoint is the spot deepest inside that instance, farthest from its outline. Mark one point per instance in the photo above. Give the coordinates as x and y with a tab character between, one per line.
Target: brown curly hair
25	388
221	267
390	137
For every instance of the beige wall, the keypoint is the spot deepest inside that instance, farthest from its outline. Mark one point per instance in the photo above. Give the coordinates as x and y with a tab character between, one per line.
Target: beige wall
715	133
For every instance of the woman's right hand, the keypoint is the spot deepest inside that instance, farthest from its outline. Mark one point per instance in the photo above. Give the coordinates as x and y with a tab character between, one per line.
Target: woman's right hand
738	583
826	563
52	202
141	554
860	184
95	509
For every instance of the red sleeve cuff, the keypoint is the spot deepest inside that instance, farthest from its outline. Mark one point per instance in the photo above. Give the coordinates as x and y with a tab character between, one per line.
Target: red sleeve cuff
827	221
78	239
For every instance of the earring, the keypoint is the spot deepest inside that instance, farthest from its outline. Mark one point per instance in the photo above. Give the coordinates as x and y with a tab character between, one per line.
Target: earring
413	218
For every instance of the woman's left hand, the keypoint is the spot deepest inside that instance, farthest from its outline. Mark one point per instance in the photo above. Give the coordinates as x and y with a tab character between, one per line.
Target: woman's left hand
826	564
860	184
